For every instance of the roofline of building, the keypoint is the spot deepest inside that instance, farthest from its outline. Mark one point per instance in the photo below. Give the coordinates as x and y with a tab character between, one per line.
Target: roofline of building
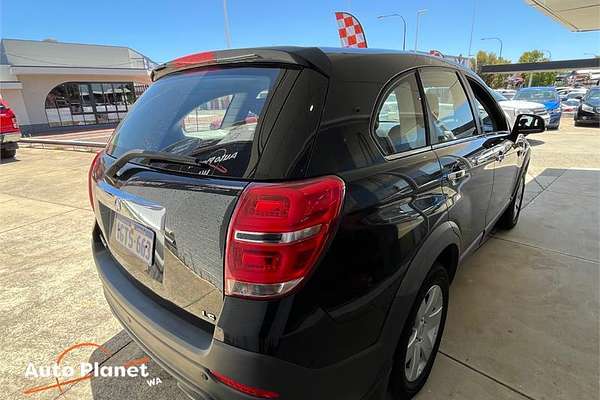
81	44
556	17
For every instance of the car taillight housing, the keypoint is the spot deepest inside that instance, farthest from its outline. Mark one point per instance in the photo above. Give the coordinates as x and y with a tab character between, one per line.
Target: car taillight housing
277	233
93	176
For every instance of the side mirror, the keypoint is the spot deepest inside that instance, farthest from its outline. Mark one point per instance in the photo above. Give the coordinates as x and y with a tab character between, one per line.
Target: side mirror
526	124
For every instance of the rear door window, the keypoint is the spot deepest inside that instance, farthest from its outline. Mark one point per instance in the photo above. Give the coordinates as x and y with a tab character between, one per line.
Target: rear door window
449	106
210	114
400	124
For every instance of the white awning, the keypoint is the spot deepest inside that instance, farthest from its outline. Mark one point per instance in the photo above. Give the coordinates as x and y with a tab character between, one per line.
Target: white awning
576	15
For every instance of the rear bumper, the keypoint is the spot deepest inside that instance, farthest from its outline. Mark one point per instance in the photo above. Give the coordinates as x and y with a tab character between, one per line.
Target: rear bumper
9	141
188	352
586	116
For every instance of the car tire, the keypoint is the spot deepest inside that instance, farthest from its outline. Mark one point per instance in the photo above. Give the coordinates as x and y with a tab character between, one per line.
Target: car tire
8	154
510	218
401	386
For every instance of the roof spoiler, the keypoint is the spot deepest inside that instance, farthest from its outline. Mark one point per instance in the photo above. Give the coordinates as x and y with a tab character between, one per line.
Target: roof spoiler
311	57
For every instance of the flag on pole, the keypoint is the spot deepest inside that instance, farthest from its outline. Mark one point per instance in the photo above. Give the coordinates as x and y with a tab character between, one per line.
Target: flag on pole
350	30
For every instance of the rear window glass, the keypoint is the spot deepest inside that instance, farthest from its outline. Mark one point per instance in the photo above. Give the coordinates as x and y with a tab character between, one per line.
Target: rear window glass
208	114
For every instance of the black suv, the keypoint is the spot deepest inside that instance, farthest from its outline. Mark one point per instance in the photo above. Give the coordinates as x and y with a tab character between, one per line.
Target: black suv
285	222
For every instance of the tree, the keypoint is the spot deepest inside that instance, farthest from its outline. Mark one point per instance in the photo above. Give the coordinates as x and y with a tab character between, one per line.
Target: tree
537	78
493	80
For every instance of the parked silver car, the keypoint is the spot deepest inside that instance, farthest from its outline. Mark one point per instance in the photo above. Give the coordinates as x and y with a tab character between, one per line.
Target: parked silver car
512	108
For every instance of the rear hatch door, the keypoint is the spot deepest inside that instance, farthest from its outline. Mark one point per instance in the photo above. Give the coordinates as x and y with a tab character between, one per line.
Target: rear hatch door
165	221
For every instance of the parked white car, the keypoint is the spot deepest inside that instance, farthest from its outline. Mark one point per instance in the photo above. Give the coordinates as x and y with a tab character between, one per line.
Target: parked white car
512	108
577	94
508	93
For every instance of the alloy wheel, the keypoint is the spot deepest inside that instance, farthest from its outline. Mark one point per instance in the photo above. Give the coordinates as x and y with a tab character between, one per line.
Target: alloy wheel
424	333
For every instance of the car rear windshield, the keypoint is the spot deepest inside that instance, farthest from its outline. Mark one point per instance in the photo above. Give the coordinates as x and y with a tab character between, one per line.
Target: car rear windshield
209	114
537	95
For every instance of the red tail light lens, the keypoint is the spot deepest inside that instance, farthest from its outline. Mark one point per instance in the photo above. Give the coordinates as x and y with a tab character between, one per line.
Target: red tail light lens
240	387
198	58
277	233
92	176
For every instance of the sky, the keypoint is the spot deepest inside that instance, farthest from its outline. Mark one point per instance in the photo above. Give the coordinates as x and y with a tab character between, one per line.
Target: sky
163	30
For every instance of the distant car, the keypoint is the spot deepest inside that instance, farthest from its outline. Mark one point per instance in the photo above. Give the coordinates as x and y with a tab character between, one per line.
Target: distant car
577	94
512	108
508	93
250	119
548	96
563	91
589	109
570	105
9	131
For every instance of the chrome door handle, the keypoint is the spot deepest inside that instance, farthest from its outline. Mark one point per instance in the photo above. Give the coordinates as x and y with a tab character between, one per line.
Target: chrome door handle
457	175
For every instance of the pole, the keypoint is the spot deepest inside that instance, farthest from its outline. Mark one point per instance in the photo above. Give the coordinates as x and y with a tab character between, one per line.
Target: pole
226	23
499	40
404	24
500	48
404	35
417	30
472	27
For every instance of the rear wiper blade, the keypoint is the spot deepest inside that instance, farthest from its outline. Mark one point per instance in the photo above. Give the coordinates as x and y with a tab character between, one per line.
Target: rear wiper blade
157	156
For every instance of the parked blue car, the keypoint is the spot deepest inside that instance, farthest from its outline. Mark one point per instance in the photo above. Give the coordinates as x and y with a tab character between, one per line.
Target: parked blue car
546	95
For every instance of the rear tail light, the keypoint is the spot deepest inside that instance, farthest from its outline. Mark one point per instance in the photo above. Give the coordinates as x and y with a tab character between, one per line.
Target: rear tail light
15	123
277	233
93	176
192	59
240	387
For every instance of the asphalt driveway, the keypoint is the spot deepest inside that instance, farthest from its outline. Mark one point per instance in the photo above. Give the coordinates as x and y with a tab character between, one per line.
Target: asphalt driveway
524	309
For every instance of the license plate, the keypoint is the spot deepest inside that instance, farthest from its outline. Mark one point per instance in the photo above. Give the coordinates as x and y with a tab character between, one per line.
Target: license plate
135	238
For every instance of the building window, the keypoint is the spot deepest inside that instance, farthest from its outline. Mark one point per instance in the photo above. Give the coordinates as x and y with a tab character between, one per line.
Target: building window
89	103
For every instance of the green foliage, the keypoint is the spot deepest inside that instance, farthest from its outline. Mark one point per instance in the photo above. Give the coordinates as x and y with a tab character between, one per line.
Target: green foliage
538	78
493	80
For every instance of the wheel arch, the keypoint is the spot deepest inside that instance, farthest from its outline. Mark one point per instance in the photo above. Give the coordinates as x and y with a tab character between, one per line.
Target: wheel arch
442	245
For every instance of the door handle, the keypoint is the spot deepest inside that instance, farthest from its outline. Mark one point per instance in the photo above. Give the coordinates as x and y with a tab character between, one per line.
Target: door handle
457	175
500	156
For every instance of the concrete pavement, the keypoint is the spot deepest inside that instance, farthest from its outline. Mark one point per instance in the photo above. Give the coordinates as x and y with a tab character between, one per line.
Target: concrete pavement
523	320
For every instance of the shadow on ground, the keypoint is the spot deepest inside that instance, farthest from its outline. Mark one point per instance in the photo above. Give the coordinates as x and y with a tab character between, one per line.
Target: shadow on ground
8	160
157	385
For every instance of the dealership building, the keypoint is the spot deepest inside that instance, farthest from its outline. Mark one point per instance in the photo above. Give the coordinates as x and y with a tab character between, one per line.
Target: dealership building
53	86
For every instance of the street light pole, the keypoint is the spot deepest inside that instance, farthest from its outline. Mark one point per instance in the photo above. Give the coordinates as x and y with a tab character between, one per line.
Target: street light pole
495	38
226	23
419	13
472	27
404	22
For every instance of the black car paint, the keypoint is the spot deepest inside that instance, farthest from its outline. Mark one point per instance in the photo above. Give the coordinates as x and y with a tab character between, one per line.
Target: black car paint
585	116
401	213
